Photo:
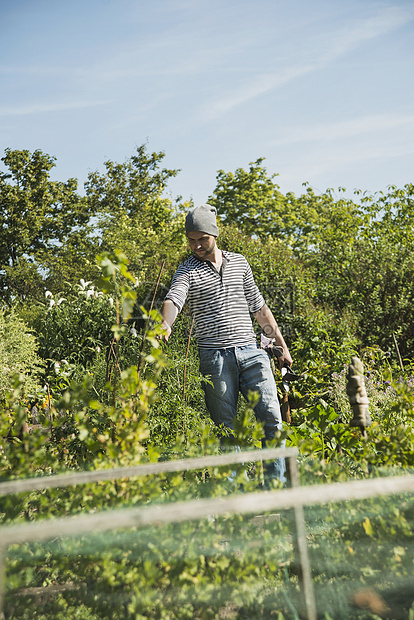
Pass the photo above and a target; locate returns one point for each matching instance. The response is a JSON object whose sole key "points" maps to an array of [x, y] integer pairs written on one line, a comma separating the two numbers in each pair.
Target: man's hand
{"points": [[270, 328], [166, 331], [285, 360], [169, 312], [278, 352]]}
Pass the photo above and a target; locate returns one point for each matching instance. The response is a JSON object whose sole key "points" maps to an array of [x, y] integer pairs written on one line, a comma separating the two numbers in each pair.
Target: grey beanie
{"points": [[202, 219]]}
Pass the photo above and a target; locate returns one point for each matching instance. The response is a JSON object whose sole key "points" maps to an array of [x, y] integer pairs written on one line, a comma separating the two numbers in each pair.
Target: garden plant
{"points": [[87, 383]]}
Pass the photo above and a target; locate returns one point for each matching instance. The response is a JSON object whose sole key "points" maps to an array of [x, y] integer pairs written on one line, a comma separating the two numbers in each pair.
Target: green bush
{"points": [[144, 403], [18, 356], [77, 327]]}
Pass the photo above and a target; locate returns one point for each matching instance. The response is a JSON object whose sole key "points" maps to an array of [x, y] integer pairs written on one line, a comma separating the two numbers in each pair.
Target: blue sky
{"points": [[323, 89]]}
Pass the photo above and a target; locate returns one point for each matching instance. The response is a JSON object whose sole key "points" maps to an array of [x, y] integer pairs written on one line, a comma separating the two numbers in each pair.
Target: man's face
{"points": [[202, 245]]}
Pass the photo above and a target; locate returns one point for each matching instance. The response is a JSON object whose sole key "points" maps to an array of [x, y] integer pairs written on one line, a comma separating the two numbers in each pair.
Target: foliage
{"points": [[21, 452], [37, 215], [382, 380], [358, 253], [179, 418], [337, 275], [19, 356], [321, 346], [361, 554], [251, 200], [73, 329], [176, 571], [364, 267], [323, 430], [84, 431], [133, 188]]}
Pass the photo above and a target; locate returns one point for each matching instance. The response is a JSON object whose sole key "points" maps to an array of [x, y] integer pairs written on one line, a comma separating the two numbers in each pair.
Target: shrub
{"points": [[75, 328], [18, 355]]}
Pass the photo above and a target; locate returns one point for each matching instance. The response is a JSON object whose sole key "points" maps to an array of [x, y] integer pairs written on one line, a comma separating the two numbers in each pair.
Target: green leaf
{"points": [[368, 527]]}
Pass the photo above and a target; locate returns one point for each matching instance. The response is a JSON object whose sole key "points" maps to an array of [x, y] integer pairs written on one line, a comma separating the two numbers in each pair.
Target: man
{"points": [[221, 293]]}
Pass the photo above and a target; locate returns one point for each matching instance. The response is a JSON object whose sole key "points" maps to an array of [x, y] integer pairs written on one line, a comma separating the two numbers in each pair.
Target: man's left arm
{"points": [[268, 323]]}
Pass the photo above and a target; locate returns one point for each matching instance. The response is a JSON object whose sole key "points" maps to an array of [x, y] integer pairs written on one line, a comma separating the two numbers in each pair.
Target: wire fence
{"points": [[293, 500]]}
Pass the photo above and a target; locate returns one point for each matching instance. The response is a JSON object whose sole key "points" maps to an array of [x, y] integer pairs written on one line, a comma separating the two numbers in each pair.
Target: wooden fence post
{"points": [[2, 579], [357, 395], [300, 546]]}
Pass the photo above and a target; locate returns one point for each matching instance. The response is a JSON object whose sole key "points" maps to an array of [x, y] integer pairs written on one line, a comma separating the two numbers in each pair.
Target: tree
{"points": [[250, 199], [134, 188], [37, 215], [19, 356], [368, 272], [358, 253], [133, 214]]}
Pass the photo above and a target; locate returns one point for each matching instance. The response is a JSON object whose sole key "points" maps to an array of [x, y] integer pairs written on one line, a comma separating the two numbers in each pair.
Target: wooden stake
{"points": [[186, 356], [398, 351]]}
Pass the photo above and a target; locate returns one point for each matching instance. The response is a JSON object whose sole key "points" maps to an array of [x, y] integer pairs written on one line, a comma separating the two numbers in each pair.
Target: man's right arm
{"points": [[169, 313]]}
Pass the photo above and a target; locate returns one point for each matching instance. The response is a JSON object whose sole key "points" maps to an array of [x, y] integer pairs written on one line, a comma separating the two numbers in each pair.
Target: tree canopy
{"points": [[134, 188], [36, 216], [356, 253], [359, 251]]}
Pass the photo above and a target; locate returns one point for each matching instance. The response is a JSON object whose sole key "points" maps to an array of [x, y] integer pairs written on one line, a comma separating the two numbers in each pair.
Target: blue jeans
{"points": [[242, 369]]}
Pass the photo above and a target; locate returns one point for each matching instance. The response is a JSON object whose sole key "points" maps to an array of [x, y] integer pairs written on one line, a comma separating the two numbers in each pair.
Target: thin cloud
{"points": [[49, 107], [255, 88], [168, 57], [346, 129], [388, 19], [327, 163], [30, 70], [339, 44]]}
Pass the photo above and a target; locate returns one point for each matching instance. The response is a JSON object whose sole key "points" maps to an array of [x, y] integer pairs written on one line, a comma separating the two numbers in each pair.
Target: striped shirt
{"points": [[220, 303]]}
